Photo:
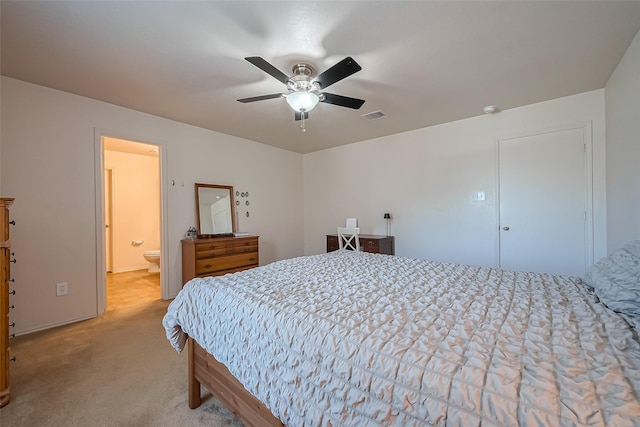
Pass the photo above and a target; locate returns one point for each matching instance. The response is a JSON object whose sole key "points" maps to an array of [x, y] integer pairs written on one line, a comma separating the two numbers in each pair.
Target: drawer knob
{"points": [[207, 266], [12, 222]]}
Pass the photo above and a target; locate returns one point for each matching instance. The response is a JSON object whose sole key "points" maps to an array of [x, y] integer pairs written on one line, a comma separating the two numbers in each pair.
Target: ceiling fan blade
{"points": [[260, 98], [343, 101], [341, 70], [299, 115], [268, 68]]}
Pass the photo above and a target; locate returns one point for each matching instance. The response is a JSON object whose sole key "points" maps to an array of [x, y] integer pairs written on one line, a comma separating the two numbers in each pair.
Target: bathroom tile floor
{"points": [[132, 288]]}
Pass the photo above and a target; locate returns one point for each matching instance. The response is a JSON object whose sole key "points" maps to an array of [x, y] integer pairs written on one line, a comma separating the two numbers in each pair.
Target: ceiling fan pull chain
{"points": [[302, 113]]}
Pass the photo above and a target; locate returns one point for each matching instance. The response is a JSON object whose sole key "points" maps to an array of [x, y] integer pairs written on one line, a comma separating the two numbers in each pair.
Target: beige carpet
{"points": [[114, 370]]}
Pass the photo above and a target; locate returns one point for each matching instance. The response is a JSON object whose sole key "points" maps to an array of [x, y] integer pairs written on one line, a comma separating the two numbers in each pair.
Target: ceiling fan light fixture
{"points": [[303, 92], [302, 101]]}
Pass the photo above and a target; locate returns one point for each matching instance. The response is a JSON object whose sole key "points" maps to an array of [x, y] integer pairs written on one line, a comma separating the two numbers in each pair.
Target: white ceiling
{"points": [[423, 62]]}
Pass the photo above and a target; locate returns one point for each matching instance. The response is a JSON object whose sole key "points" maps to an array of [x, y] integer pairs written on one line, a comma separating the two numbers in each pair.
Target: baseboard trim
{"points": [[128, 270], [54, 325]]}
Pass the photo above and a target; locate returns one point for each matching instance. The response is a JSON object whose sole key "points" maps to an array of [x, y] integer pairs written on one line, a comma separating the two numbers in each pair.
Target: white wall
{"points": [[48, 166], [622, 101], [136, 208], [425, 179]]}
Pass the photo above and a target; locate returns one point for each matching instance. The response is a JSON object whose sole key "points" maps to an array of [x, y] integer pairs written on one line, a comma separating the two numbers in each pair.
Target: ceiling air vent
{"points": [[374, 115]]}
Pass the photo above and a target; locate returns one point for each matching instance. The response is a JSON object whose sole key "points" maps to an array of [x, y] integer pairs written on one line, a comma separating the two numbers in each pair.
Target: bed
{"points": [[360, 339]]}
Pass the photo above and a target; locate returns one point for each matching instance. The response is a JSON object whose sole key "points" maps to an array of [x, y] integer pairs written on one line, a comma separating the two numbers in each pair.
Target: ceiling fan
{"points": [[303, 91]]}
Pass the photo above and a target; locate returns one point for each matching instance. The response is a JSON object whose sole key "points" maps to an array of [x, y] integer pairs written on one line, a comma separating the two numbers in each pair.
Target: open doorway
{"points": [[132, 212]]}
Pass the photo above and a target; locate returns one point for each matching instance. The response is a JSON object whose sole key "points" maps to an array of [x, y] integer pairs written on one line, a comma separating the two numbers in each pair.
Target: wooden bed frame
{"points": [[205, 370]]}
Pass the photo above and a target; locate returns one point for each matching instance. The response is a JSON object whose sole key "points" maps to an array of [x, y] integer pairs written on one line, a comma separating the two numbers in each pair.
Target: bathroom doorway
{"points": [[132, 222]]}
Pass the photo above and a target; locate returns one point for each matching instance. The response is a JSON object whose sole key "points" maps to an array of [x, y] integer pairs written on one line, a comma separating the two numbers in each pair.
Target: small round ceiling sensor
{"points": [[490, 109]]}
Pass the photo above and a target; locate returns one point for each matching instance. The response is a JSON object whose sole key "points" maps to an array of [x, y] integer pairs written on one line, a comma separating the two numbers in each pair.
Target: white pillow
{"points": [[616, 279]]}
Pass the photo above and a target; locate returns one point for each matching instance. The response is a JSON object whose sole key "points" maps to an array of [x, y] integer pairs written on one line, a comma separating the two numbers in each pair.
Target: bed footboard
{"points": [[205, 370]]}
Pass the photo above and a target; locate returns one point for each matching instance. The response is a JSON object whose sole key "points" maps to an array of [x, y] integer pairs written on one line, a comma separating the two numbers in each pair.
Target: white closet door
{"points": [[544, 202]]}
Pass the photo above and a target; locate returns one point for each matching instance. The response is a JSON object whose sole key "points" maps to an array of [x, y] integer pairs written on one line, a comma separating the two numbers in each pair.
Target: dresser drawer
{"points": [[211, 265], [210, 250], [370, 245], [226, 247], [243, 246], [332, 243]]}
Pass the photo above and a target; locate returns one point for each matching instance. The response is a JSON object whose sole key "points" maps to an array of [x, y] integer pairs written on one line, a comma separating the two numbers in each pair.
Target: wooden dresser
{"points": [[5, 281], [368, 243], [218, 256]]}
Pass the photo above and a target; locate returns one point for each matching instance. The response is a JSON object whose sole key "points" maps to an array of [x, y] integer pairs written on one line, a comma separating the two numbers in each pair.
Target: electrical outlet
{"points": [[62, 289]]}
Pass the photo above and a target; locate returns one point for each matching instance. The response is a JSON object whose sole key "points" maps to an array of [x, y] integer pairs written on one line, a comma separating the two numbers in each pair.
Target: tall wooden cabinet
{"points": [[5, 277]]}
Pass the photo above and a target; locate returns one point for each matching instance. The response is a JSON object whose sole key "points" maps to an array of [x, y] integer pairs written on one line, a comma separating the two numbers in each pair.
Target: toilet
{"points": [[153, 257]]}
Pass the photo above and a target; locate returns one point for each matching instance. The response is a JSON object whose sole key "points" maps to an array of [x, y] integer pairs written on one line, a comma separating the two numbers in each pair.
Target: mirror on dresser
{"points": [[214, 210]]}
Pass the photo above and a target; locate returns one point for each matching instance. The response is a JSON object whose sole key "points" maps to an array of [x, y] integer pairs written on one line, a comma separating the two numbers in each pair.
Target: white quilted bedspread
{"points": [[358, 339]]}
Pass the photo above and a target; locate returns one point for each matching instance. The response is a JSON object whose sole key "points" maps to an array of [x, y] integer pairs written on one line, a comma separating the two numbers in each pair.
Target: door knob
{"points": [[505, 228]]}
